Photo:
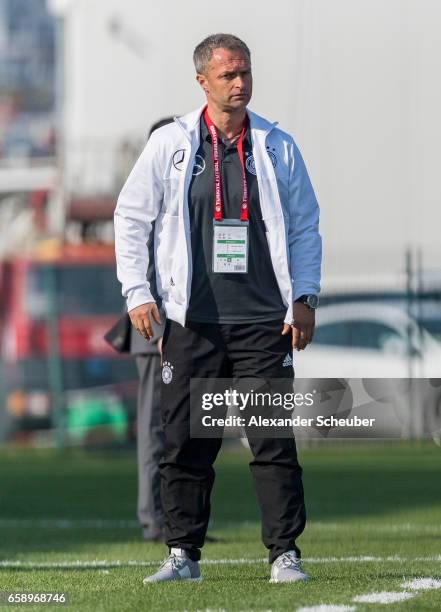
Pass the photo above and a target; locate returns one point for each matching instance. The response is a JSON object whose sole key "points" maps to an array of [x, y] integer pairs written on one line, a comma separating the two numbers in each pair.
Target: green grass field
{"points": [[67, 523]]}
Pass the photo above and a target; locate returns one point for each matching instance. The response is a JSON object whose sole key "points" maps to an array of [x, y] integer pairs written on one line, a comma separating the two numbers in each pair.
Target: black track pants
{"points": [[202, 350]]}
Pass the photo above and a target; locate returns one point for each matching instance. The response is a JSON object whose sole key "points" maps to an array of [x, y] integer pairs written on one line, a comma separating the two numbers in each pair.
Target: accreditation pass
{"points": [[230, 246]]}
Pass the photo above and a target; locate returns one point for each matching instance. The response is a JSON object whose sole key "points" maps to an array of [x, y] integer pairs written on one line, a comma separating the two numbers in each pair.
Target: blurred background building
{"points": [[81, 82], [27, 79]]}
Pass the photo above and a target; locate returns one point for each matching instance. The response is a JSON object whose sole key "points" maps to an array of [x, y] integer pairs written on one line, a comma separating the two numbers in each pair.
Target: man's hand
{"points": [[303, 328], [141, 318]]}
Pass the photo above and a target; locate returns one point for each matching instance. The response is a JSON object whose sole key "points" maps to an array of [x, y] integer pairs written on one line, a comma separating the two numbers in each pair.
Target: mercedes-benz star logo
{"points": [[199, 165], [178, 158]]}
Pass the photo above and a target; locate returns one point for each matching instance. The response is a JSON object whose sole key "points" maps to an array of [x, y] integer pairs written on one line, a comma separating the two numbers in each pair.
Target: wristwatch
{"points": [[311, 300]]}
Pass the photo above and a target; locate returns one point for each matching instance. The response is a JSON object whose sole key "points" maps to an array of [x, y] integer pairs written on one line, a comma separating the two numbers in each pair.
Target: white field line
{"points": [[70, 523], [109, 563], [382, 527], [327, 608], [65, 523], [344, 526], [384, 597], [421, 584]]}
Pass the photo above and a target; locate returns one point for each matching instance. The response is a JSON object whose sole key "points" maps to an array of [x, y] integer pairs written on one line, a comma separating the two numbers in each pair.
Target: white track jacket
{"points": [[157, 190]]}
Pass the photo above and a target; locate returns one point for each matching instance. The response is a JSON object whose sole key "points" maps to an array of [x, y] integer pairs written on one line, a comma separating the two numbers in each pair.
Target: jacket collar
{"points": [[190, 123]]}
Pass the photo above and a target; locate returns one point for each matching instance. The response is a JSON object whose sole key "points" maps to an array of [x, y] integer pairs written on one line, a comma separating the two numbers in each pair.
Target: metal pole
{"points": [[420, 290], [421, 402], [409, 274], [55, 372], [58, 208]]}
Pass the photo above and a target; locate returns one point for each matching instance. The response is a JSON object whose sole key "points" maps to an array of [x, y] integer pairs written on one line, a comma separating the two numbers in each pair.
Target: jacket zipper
{"points": [[186, 217]]}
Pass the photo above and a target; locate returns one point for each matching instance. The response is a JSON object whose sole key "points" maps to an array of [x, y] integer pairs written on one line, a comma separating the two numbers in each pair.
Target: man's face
{"points": [[228, 82]]}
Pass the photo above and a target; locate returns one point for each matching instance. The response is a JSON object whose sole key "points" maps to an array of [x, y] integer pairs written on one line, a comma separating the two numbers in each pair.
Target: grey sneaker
{"points": [[177, 566], [287, 568]]}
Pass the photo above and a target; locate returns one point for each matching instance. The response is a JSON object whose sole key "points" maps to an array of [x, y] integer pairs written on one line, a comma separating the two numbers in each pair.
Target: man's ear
{"points": [[202, 80]]}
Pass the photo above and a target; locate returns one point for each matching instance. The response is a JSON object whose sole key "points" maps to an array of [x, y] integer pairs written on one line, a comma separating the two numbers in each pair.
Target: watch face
{"points": [[312, 301]]}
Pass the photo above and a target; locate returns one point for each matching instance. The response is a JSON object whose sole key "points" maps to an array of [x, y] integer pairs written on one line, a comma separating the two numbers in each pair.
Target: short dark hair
{"points": [[204, 51]]}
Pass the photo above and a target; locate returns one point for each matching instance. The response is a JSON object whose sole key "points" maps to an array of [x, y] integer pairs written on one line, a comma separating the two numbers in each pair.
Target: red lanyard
{"points": [[216, 171]]}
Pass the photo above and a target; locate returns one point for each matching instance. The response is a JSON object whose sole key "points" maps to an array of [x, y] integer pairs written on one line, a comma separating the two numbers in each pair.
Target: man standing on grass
{"points": [[222, 172]]}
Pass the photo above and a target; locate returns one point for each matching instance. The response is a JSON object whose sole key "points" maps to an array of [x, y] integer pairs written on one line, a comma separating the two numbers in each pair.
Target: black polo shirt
{"points": [[229, 298]]}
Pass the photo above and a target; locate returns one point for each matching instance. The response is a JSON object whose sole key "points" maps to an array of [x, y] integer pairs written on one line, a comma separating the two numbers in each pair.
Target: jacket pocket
{"points": [[170, 204], [276, 227], [168, 257]]}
